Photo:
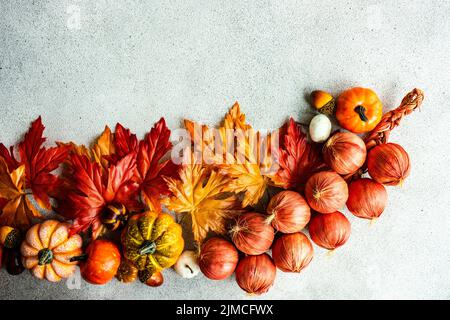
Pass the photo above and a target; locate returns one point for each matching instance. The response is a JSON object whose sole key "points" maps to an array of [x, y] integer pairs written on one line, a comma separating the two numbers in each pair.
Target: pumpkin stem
{"points": [[82, 257], [361, 111], [148, 247], [45, 256]]}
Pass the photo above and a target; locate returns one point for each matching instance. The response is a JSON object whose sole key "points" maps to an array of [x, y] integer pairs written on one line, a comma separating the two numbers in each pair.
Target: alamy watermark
{"points": [[73, 11]]}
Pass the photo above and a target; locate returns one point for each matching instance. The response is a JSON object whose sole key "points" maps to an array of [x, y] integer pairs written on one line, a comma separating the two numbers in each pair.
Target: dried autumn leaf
{"points": [[213, 144], [92, 189], [252, 168], [124, 141], [8, 156], [100, 151], [150, 168], [235, 119], [80, 150], [39, 163], [104, 147], [17, 210], [297, 158], [203, 142], [245, 164], [201, 194]]}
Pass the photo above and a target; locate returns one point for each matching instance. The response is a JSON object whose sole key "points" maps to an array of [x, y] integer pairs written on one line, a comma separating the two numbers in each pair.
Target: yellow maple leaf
{"points": [[212, 144], [18, 211], [201, 194], [249, 163], [251, 170], [235, 119]]}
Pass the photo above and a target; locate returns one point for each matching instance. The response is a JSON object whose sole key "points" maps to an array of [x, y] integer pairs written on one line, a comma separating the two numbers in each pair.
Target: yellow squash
{"points": [[152, 241]]}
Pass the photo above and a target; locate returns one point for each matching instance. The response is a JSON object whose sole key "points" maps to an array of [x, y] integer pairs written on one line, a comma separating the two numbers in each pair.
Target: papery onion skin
{"points": [[252, 234], [288, 212], [329, 231], [256, 274], [218, 258], [367, 198], [292, 252], [388, 164], [344, 152], [326, 192]]}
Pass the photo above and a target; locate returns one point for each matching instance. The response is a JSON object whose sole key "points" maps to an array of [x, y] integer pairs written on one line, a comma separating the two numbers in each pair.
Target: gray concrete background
{"points": [[135, 61]]}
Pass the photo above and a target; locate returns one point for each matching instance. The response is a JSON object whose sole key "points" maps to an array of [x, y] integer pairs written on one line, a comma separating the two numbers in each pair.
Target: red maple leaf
{"points": [[151, 168], [298, 159], [8, 156], [39, 163], [125, 142], [92, 189]]}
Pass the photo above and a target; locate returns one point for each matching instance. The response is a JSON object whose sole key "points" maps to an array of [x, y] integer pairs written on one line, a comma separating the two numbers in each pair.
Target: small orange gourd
{"points": [[100, 262], [48, 248], [359, 110]]}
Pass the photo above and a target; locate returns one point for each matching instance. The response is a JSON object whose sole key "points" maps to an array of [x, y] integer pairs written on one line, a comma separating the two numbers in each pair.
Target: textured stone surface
{"points": [[135, 61]]}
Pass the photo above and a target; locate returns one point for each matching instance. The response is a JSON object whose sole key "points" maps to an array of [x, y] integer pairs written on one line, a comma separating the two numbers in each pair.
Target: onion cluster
{"points": [[288, 212]]}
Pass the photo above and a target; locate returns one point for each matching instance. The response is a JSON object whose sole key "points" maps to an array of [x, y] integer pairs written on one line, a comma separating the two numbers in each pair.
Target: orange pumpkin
{"points": [[100, 262], [47, 250], [359, 110]]}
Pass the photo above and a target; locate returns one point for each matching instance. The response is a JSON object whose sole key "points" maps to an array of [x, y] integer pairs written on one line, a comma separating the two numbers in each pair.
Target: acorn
{"points": [[152, 280], [13, 261], [113, 216], [127, 272], [10, 237], [323, 102]]}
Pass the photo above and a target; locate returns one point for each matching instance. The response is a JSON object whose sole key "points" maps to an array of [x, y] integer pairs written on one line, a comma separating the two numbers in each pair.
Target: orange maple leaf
{"points": [[243, 154], [100, 150], [17, 210]]}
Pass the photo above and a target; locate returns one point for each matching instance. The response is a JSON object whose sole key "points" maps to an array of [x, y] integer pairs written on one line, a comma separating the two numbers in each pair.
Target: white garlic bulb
{"points": [[320, 128], [187, 265]]}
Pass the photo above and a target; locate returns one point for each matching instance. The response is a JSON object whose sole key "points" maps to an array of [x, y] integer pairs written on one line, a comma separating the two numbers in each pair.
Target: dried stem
{"points": [[392, 119]]}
